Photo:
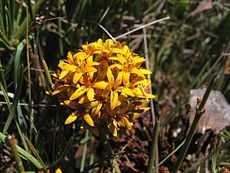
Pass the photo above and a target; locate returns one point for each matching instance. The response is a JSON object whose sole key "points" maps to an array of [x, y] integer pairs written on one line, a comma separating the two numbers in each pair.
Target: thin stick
{"points": [[141, 27], [29, 75], [149, 77], [107, 32], [151, 101]]}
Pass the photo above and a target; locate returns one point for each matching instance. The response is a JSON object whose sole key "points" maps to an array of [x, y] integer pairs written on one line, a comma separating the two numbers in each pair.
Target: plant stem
{"points": [[47, 72], [12, 144], [153, 146], [199, 112], [84, 152], [109, 151]]}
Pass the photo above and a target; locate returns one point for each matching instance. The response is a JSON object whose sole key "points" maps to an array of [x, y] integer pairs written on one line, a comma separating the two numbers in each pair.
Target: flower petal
{"points": [[128, 91], [70, 57], [71, 104], [60, 89], [90, 94], [138, 92], [71, 118], [63, 74], [110, 76], [96, 110], [125, 78], [127, 123], [89, 120], [101, 85], [138, 72], [145, 71], [81, 90], [90, 69], [77, 77], [150, 96], [58, 170], [119, 79], [121, 59], [113, 99], [119, 66], [66, 66], [138, 59], [113, 130]]}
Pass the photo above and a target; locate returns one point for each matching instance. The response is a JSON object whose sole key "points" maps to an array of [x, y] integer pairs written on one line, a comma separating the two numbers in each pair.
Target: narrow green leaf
{"points": [[33, 149], [11, 7], [153, 146], [18, 84], [8, 25], [5, 40], [3, 87]]}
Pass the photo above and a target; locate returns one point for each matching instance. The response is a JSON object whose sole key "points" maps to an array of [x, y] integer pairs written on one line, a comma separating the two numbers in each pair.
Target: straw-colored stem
{"points": [[141, 27], [29, 75], [12, 143], [47, 72]]}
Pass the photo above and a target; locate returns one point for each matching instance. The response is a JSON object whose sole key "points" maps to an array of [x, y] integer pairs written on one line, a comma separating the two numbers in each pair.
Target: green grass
{"points": [[184, 52]]}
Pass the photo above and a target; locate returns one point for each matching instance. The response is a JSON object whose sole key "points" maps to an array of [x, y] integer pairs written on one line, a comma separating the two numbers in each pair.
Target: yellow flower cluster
{"points": [[48, 171], [104, 84]]}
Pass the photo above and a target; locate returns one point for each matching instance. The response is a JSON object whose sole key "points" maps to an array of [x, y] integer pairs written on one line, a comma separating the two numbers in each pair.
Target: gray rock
{"points": [[217, 114]]}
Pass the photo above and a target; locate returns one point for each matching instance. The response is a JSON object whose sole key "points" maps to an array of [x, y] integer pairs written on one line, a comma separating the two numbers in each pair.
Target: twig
{"points": [[141, 27], [107, 32]]}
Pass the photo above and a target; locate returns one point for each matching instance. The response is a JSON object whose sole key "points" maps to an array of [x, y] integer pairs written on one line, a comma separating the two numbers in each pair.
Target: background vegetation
{"points": [[183, 52]]}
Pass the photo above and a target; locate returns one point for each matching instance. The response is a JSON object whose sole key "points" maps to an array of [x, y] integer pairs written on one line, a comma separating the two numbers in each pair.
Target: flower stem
{"points": [[109, 151], [199, 112], [84, 153]]}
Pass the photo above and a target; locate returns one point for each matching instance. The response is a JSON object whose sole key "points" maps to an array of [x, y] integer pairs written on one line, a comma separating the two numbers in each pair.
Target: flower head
{"points": [[104, 84]]}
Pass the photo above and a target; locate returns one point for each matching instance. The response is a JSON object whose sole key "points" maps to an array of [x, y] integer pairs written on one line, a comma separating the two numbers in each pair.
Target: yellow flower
{"points": [[58, 170], [104, 84]]}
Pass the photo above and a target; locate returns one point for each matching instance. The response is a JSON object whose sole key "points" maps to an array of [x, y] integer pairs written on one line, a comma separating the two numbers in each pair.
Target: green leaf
{"points": [[18, 84]]}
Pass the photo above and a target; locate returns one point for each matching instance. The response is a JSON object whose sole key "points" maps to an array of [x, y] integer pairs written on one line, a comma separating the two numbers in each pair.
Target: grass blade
{"points": [[18, 84], [35, 153]]}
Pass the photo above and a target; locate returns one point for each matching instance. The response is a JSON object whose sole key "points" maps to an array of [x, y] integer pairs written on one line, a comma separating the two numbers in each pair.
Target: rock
{"points": [[217, 114]]}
